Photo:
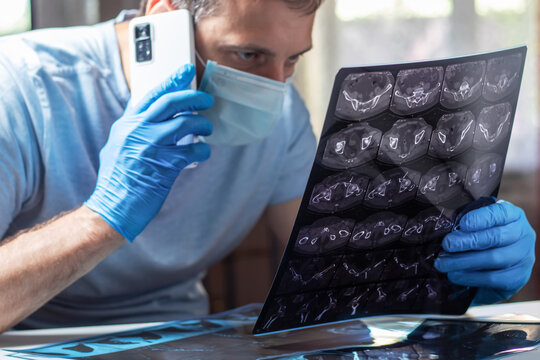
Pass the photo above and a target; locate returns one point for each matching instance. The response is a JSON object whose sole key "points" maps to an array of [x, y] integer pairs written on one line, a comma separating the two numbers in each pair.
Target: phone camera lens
{"points": [[142, 31], [144, 50]]}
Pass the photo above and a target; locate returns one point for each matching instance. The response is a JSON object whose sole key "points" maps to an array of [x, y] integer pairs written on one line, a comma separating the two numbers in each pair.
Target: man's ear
{"points": [[158, 6]]}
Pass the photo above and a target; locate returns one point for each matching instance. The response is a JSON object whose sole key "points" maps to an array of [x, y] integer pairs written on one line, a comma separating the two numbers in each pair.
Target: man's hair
{"points": [[202, 8]]}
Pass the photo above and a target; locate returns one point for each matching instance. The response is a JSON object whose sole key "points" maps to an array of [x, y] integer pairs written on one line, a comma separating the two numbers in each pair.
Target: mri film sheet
{"points": [[405, 151], [448, 339], [228, 335]]}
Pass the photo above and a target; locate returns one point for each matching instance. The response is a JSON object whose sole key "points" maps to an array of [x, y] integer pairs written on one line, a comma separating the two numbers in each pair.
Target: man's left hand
{"points": [[492, 248]]}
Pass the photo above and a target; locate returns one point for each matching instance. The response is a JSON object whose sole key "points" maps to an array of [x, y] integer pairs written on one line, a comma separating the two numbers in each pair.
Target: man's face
{"points": [[262, 37]]}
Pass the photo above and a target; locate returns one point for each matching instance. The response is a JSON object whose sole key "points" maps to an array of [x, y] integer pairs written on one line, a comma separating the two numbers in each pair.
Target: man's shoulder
{"points": [[55, 49]]}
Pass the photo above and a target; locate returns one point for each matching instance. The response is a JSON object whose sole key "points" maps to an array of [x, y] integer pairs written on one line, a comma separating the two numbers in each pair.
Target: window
{"points": [[362, 32], [347, 10], [490, 7], [354, 33], [15, 17]]}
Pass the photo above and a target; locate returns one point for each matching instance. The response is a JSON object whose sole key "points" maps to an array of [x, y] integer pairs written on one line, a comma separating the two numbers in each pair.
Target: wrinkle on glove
{"points": [[492, 248], [141, 159]]}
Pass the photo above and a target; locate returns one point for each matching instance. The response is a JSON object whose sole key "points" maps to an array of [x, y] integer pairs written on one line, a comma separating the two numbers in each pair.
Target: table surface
{"points": [[20, 339]]}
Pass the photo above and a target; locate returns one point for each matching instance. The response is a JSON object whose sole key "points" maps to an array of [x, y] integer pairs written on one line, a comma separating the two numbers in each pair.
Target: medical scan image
{"points": [[403, 264], [377, 230], [392, 188], [453, 135], [463, 84], [324, 235], [428, 225], [407, 140], [502, 77], [299, 307], [338, 192], [484, 175], [493, 127], [398, 165], [354, 300], [442, 183], [353, 146], [313, 274], [417, 90], [359, 269], [379, 297], [364, 95], [305, 308]]}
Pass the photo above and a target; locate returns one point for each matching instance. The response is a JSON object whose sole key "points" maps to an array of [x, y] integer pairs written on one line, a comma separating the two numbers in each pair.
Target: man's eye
{"points": [[246, 55], [293, 59]]}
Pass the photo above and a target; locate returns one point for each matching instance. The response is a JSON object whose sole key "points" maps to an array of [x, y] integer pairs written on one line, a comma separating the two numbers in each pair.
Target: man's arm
{"points": [[39, 263], [281, 219], [138, 165]]}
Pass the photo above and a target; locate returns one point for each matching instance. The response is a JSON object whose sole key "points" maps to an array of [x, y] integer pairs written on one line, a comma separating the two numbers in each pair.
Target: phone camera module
{"points": [[144, 50], [143, 43], [142, 31]]}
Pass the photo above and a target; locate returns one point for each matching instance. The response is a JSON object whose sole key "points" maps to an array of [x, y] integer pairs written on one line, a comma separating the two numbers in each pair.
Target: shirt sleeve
{"points": [[18, 151], [300, 152]]}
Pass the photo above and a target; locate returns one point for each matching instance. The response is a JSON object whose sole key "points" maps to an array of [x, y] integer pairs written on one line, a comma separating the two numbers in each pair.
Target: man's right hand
{"points": [[141, 159]]}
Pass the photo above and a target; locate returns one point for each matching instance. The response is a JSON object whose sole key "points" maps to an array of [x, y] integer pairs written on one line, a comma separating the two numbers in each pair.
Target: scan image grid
{"points": [[405, 150]]}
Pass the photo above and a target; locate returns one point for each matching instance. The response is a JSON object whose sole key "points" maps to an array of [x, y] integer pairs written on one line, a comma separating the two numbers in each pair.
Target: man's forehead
{"points": [[241, 8], [259, 16], [267, 24]]}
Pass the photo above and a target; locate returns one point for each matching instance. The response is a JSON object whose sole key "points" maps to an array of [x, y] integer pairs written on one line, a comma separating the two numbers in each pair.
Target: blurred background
{"points": [[354, 33]]}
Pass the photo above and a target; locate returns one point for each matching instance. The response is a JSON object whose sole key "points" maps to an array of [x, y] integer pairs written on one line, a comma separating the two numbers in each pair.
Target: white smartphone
{"points": [[159, 45]]}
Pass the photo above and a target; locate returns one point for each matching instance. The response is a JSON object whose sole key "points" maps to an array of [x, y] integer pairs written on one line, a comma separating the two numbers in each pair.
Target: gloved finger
{"points": [[458, 241], [500, 213], [511, 279], [497, 258], [177, 102], [486, 296], [187, 154], [169, 132], [179, 80]]}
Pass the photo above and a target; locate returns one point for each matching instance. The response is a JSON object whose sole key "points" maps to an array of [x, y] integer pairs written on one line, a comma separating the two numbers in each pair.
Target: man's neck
{"points": [[123, 45]]}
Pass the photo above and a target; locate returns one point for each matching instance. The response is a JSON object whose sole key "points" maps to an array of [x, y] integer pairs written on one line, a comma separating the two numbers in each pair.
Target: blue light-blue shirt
{"points": [[60, 91]]}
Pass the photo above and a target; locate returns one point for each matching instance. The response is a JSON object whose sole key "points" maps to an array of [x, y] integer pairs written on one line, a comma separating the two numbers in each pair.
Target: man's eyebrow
{"points": [[259, 49], [303, 51], [248, 48]]}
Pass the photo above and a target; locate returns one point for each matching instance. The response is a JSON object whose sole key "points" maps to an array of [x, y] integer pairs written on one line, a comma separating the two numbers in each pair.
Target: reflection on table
{"points": [[228, 336]]}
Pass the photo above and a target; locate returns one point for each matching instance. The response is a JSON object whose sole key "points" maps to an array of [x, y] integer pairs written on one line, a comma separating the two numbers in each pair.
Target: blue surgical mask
{"points": [[246, 107]]}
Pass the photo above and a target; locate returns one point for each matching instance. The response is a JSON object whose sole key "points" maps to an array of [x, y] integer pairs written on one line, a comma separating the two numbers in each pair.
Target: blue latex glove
{"points": [[141, 159], [492, 248]]}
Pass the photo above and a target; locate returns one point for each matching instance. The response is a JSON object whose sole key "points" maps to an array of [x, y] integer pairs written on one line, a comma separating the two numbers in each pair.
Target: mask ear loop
{"points": [[290, 79], [198, 56]]}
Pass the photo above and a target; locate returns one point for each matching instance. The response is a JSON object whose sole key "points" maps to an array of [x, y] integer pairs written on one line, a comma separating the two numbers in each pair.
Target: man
{"points": [[80, 175]]}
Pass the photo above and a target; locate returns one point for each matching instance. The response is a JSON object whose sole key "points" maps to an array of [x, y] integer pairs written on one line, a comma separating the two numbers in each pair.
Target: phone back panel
{"points": [[159, 44]]}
